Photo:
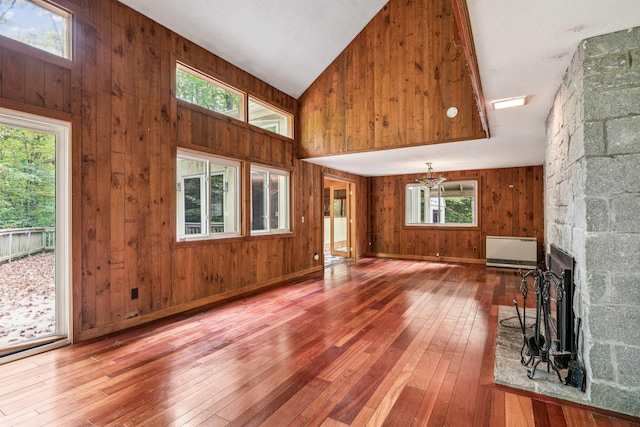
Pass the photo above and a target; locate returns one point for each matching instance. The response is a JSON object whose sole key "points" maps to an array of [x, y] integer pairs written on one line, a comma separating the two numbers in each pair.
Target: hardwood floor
{"points": [[372, 342]]}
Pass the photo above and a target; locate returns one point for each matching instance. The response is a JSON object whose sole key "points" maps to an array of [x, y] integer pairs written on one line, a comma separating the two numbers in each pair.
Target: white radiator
{"points": [[515, 252]]}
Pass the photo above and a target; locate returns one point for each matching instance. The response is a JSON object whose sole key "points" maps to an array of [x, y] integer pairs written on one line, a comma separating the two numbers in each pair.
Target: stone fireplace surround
{"points": [[592, 209]]}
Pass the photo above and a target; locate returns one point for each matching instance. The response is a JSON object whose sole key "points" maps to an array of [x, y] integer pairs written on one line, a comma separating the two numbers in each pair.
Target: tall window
{"points": [[453, 203], [38, 24], [207, 196], [270, 118], [198, 88], [269, 200]]}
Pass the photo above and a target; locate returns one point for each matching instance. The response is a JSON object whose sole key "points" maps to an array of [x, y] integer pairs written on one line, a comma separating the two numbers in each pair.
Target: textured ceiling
{"points": [[286, 43], [523, 48]]}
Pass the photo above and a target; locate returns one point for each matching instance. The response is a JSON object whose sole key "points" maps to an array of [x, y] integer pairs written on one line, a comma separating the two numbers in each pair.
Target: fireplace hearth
{"points": [[509, 371]]}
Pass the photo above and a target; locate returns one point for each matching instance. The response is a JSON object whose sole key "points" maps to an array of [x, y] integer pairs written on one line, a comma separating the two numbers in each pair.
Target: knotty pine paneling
{"points": [[510, 204], [119, 93], [34, 80], [392, 85], [227, 137]]}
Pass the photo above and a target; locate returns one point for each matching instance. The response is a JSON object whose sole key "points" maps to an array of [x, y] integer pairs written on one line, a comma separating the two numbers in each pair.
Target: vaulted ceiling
{"points": [[522, 48]]}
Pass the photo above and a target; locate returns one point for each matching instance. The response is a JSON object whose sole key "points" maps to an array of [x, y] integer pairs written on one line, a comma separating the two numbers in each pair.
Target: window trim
{"points": [[269, 231], [188, 154], [242, 108], [62, 60], [476, 208]]}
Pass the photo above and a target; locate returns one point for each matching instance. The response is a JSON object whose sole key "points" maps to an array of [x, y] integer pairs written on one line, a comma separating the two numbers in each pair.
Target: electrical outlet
{"points": [[134, 293], [475, 249]]}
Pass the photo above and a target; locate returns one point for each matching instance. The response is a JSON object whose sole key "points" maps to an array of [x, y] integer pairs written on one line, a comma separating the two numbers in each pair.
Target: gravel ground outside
{"points": [[27, 299]]}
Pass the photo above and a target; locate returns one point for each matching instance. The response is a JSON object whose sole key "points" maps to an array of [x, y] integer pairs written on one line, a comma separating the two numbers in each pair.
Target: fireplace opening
{"points": [[562, 265]]}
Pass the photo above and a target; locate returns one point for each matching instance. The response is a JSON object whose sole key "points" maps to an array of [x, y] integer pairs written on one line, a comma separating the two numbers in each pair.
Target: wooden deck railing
{"points": [[20, 242], [195, 227]]}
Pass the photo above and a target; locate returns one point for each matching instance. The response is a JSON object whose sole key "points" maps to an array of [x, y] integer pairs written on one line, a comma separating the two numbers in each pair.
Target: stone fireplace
{"points": [[592, 209]]}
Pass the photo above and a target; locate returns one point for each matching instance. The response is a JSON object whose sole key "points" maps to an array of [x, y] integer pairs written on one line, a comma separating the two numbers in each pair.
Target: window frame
{"points": [[267, 207], [205, 185], [54, 8], [475, 206], [242, 107], [274, 109]]}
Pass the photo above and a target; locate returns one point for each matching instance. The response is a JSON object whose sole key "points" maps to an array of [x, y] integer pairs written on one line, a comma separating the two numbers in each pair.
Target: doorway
{"points": [[338, 203], [34, 234]]}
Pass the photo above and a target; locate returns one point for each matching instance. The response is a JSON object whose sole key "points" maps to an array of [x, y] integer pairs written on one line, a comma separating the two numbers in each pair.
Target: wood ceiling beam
{"points": [[465, 41]]}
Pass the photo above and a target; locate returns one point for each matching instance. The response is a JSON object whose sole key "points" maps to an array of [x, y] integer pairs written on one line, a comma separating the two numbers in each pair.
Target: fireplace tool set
{"points": [[539, 346]]}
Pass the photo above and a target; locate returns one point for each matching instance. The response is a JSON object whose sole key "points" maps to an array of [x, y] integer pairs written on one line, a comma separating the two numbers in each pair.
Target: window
{"points": [[270, 118], [38, 24], [199, 89], [452, 203], [269, 200], [207, 196]]}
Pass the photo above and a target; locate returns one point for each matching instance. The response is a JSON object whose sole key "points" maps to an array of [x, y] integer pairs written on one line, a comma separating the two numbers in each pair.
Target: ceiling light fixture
{"points": [[429, 180], [509, 102]]}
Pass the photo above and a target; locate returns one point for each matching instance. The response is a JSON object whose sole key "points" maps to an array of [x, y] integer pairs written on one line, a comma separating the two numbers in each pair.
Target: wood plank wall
{"points": [[127, 125], [511, 203], [392, 85]]}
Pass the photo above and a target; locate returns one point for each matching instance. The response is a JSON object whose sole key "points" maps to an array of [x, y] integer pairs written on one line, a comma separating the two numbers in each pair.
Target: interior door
{"points": [[340, 220]]}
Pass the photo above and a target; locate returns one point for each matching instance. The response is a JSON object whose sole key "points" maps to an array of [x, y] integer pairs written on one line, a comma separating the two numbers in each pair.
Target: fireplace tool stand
{"points": [[530, 345], [537, 347]]}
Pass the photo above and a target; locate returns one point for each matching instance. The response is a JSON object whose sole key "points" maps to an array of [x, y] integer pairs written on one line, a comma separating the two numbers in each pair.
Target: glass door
{"points": [[34, 234]]}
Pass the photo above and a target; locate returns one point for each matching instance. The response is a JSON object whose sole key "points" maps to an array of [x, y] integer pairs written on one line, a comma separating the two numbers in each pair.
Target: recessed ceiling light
{"points": [[452, 112], [509, 102]]}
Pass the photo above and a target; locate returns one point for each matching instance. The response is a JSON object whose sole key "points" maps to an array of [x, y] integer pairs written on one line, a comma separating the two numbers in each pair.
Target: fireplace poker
{"points": [[532, 341]]}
